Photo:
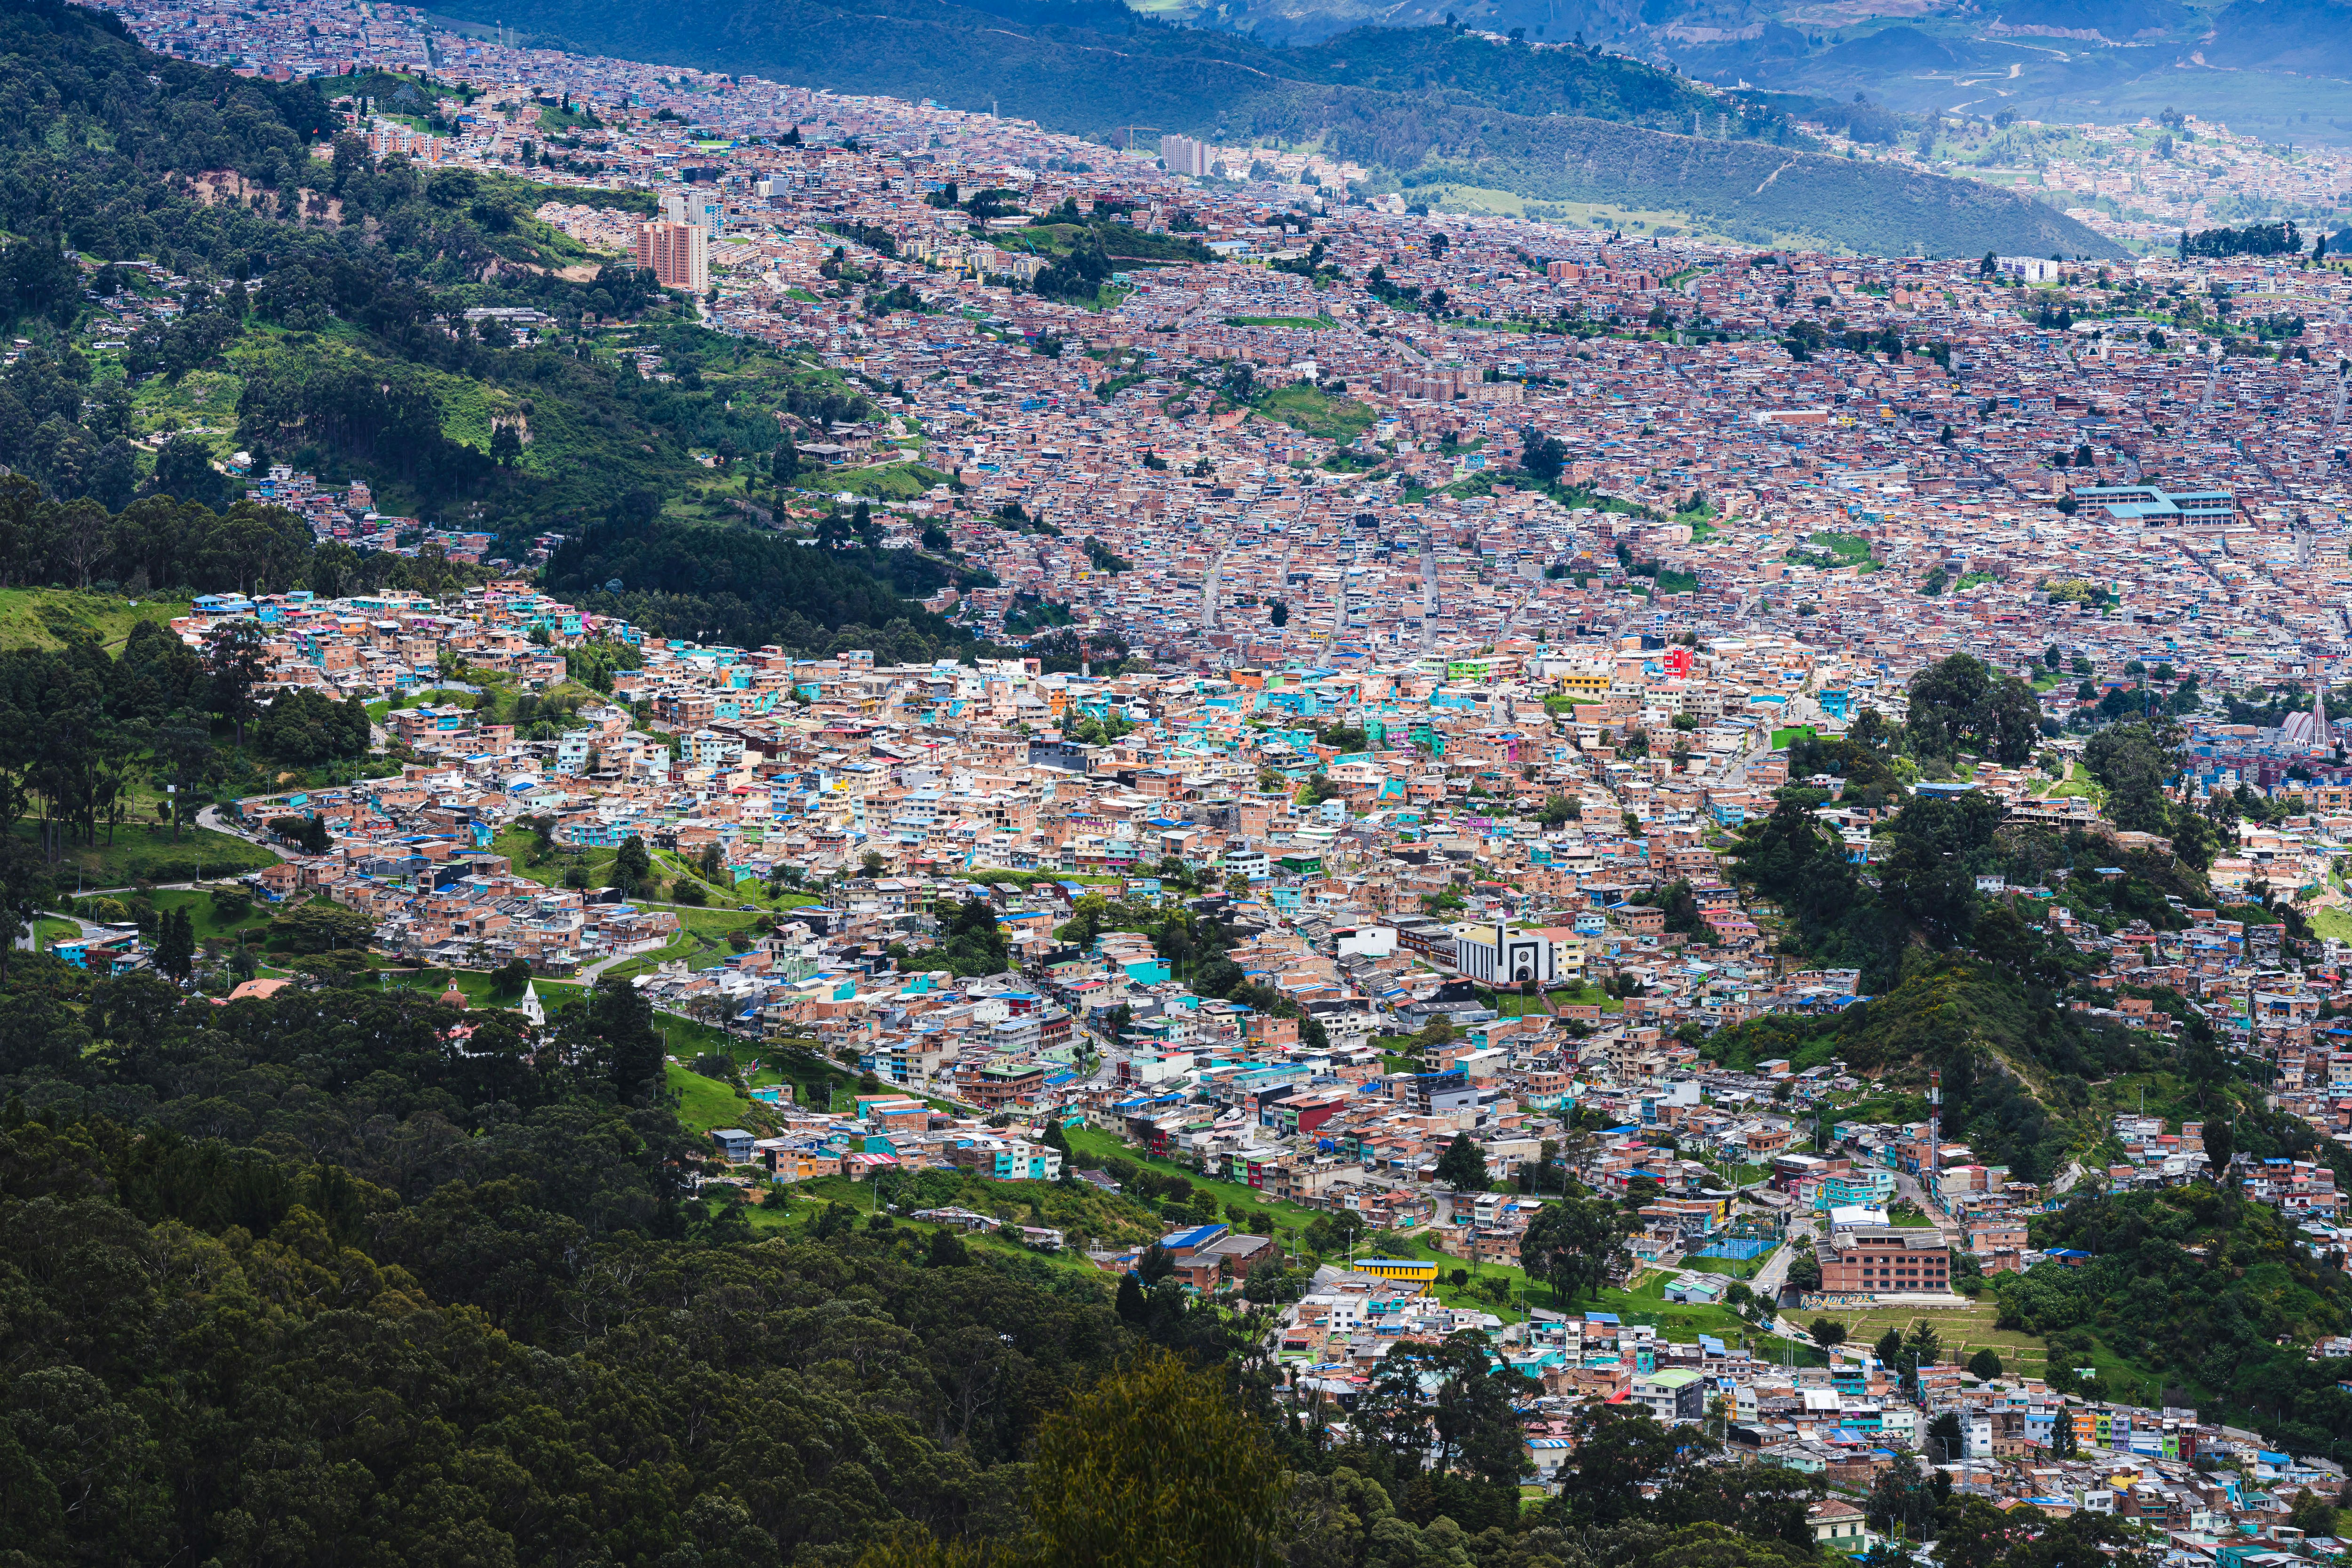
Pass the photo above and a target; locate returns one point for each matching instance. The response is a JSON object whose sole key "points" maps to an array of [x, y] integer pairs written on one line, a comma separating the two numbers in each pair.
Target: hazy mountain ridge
{"points": [[1429, 105], [2256, 64]]}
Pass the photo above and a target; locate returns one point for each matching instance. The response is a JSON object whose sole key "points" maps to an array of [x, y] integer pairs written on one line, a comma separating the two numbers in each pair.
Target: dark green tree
{"points": [[1572, 1245], [1463, 1165], [175, 944], [633, 866], [235, 664]]}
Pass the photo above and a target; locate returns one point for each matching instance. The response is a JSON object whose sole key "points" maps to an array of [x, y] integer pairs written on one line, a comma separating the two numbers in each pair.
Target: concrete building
{"points": [[1496, 955], [1887, 1259], [678, 254], [1184, 156]]}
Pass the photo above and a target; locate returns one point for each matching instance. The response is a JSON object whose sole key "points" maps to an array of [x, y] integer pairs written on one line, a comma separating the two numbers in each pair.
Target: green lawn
{"points": [[205, 919], [2078, 781], [2332, 922], [48, 617], [751, 891], [809, 1199], [1315, 413], [1851, 549], [474, 985], [1781, 738], [1585, 993], [1026, 880], [1963, 1331], [518, 844], [893, 481], [701, 943], [1305, 323], [704, 1103], [147, 854]]}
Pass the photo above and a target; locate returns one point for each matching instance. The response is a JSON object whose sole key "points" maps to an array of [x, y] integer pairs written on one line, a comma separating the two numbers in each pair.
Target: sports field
{"points": [[1964, 1332]]}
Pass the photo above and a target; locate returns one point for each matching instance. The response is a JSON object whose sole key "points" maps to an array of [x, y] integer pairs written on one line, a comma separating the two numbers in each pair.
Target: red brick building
{"points": [[1885, 1259]]}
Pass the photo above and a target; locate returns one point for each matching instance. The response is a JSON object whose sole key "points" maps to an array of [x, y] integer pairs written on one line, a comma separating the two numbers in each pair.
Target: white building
{"points": [[1496, 955]]}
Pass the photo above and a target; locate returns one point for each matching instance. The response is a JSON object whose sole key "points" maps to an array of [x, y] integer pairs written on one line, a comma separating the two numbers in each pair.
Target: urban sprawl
{"points": [[1468, 584]]}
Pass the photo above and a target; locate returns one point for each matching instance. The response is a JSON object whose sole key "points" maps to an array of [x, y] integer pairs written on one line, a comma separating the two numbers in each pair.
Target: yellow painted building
{"points": [[1405, 1270]]}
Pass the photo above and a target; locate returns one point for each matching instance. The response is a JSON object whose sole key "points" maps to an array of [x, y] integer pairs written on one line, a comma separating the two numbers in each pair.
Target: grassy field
{"points": [[148, 854], [205, 919], [49, 617], [705, 1104], [202, 404], [1305, 323], [747, 891], [701, 944], [1963, 1331], [892, 482], [476, 986], [1314, 413], [2078, 781], [2333, 921], [2145, 1093], [519, 842], [806, 1201]]}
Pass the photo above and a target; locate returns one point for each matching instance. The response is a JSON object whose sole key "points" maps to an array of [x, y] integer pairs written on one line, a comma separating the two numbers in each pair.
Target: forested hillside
{"points": [[293, 1281], [1978, 987], [1427, 105], [297, 1281], [323, 326], [2198, 1292]]}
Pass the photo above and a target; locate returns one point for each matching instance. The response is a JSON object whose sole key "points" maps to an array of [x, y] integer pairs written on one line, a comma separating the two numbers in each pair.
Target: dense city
{"points": [[1736, 830]]}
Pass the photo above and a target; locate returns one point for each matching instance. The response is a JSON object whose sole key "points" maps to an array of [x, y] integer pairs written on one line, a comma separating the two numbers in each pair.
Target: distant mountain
{"points": [[2307, 37], [2281, 67], [2269, 66], [1429, 105], [2118, 21]]}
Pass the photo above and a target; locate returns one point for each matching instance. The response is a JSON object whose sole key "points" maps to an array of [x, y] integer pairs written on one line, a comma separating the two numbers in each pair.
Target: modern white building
{"points": [[1495, 954]]}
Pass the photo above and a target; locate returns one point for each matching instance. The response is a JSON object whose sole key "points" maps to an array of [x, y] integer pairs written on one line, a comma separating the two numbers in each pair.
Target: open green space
{"points": [[138, 853], [1315, 413], [50, 618], [1305, 323], [206, 920], [474, 985], [816, 1082], [1020, 1203], [751, 891], [2078, 783], [520, 846], [701, 943], [892, 482], [2332, 921], [702, 1102], [1964, 1330]]}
